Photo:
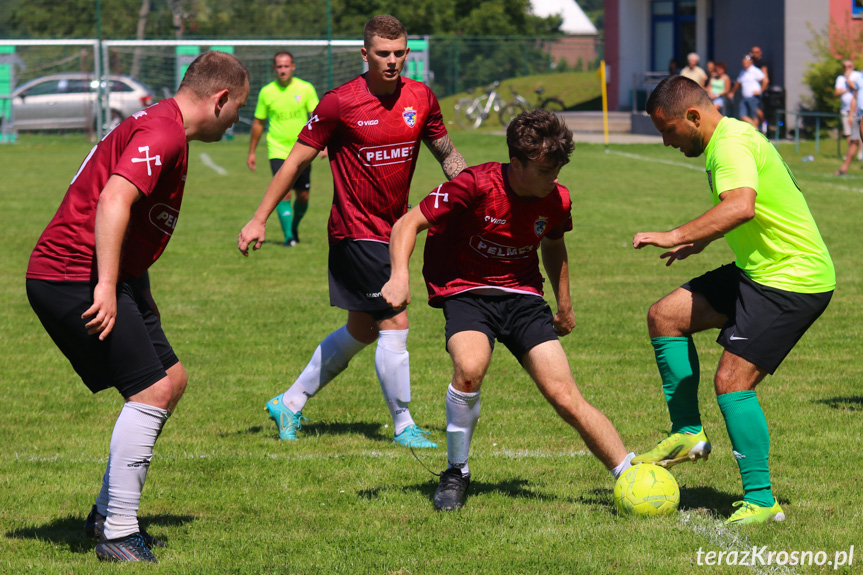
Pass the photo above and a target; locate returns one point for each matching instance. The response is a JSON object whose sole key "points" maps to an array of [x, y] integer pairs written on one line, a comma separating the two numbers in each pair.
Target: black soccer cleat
{"points": [[94, 529], [450, 493], [125, 549]]}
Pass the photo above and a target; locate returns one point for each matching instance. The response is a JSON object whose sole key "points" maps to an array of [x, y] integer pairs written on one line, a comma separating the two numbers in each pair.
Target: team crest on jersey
{"points": [[539, 226], [410, 117], [298, 97]]}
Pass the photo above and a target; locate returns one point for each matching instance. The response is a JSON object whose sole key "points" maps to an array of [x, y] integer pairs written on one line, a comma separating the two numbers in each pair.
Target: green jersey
{"points": [[288, 109], [781, 246]]}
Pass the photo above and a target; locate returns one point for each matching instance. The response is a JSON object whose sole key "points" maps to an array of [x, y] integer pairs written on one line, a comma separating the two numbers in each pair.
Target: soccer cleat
{"points": [[130, 548], [413, 436], [677, 448], [451, 490], [94, 529], [286, 420], [751, 513]]}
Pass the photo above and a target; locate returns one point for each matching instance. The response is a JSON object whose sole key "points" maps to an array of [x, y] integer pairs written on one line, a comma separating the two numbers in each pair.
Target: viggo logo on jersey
{"points": [[388, 154]]}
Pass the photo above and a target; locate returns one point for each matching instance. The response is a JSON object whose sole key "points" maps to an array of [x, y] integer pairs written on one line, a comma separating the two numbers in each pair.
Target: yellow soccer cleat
{"points": [[751, 513], [677, 448]]}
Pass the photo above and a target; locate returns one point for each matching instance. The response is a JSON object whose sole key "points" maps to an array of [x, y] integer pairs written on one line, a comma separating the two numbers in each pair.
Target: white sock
{"points": [[135, 433], [623, 465], [462, 413], [331, 358], [392, 364]]}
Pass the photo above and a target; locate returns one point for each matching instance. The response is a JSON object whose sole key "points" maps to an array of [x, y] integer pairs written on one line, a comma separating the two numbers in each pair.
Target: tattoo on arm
{"points": [[444, 152]]}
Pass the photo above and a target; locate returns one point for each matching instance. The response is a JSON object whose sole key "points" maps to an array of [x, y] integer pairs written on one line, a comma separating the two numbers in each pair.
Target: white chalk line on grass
{"points": [[727, 539], [701, 169], [208, 161]]}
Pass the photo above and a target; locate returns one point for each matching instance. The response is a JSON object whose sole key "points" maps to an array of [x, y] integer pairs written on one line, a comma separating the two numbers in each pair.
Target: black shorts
{"points": [[519, 321], [764, 323], [357, 271], [133, 357], [304, 180]]}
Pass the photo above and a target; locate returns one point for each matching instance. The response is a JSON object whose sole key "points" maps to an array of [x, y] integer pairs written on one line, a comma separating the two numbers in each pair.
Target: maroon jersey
{"points": [[150, 150], [373, 143], [485, 236]]}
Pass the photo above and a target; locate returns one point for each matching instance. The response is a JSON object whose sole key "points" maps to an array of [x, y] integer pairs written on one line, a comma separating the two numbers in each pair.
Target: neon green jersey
{"points": [[287, 109], [781, 246]]}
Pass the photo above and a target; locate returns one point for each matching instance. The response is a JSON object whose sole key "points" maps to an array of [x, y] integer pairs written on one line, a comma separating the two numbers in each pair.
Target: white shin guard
{"points": [[135, 433], [392, 364]]}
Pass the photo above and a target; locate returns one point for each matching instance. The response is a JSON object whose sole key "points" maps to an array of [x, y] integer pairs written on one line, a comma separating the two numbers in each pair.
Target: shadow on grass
{"points": [[367, 430], [853, 403], [691, 498], [69, 531], [520, 488]]}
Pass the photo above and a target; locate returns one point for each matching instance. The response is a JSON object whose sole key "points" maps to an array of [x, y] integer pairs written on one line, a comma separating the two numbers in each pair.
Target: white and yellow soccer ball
{"points": [[646, 489]]}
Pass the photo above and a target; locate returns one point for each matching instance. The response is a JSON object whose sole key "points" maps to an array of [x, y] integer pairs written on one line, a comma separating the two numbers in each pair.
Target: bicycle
{"points": [[470, 113], [520, 104]]}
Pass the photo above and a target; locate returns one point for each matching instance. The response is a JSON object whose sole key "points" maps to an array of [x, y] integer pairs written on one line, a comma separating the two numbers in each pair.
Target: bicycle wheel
{"points": [[509, 112], [553, 105], [467, 114]]}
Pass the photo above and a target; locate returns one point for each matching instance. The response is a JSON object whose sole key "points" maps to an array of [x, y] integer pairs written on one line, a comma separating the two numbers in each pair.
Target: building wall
{"points": [[802, 18], [573, 49], [733, 35]]}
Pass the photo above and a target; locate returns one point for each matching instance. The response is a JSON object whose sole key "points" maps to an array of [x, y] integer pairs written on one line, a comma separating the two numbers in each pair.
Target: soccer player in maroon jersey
{"points": [[372, 127], [482, 267], [87, 279]]}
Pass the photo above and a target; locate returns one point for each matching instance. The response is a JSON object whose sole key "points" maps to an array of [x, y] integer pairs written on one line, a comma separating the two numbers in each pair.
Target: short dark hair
{"points": [[213, 71], [283, 53], [539, 135], [674, 95], [385, 26]]}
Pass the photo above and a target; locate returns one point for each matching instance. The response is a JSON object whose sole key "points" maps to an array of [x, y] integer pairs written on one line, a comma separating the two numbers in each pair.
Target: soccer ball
{"points": [[646, 489]]}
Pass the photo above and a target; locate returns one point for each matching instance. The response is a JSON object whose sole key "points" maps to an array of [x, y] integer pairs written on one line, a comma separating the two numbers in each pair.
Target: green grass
{"points": [[574, 89], [228, 497]]}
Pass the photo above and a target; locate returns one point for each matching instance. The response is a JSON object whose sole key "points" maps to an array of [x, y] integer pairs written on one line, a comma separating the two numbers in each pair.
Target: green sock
{"points": [[750, 441], [677, 360], [299, 211], [284, 212]]}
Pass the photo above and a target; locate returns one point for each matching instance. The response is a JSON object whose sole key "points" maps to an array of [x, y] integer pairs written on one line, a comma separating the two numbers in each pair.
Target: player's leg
{"points": [[767, 325], [471, 355], [330, 358], [301, 203], [671, 323], [283, 208], [547, 365]]}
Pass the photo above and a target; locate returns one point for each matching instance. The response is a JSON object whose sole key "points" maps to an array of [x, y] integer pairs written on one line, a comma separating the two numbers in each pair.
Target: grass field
{"points": [[228, 497]]}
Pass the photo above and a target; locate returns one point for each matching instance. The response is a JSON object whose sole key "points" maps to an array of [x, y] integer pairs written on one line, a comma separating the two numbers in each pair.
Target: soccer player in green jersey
{"points": [[780, 283], [285, 104]]}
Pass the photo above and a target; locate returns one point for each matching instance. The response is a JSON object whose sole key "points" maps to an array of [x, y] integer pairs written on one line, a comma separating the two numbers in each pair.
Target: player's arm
{"points": [[253, 233], [112, 219], [556, 264], [397, 292], [445, 153], [736, 207], [257, 131]]}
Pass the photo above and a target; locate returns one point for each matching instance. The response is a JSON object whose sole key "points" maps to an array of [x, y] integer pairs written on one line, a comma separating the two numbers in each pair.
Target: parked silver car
{"points": [[68, 101]]}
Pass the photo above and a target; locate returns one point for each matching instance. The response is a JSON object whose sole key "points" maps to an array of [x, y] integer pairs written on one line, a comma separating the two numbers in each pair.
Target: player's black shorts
{"points": [[519, 321], [134, 356], [764, 323], [358, 270], [304, 180]]}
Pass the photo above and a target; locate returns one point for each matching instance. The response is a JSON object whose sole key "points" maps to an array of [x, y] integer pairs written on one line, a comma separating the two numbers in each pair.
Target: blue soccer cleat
{"points": [[286, 420], [413, 436]]}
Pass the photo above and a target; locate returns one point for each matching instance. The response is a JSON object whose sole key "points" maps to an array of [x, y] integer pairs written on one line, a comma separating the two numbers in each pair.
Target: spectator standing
{"points": [[693, 71], [719, 85], [749, 82], [847, 84]]}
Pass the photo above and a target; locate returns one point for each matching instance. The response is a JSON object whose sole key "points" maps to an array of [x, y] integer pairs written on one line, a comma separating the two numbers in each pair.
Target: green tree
{"points": [[830, 47]]}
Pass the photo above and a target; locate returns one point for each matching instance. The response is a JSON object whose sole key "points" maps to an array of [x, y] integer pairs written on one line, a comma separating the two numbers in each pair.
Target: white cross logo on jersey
{"points": [[146, 150], [438, 195], [312, 120]]}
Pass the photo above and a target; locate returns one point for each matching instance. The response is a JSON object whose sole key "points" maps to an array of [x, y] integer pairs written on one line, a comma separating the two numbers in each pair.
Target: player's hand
{"points": [[658, 239], [251, 162], [396, 293], [564, 322], [682, 252], [324, 153], [103, 311], [252, 234]]}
